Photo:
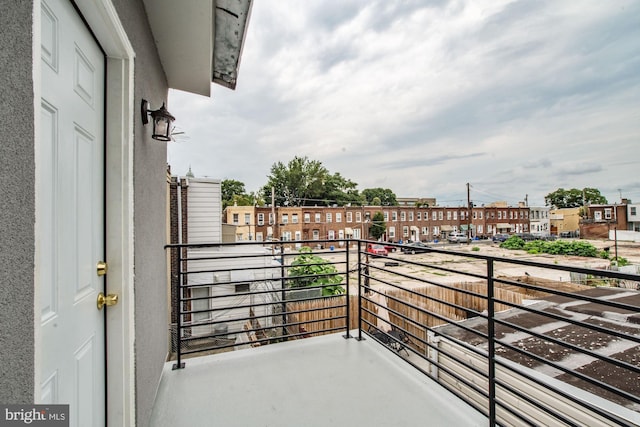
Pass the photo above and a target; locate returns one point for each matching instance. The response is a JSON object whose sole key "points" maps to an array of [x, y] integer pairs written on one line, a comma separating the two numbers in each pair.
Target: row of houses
{"points": [[424, 223], [402, 223]]}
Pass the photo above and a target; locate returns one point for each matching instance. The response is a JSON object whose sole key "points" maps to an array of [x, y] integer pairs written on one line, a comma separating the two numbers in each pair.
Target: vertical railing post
{"points": [[359, 292], [348, 295], [179, 364], [492, 344], [284, 294]]}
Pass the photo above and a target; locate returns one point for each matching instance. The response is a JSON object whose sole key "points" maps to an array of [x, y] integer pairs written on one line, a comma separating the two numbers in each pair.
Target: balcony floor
{"points": [[323, 381]]}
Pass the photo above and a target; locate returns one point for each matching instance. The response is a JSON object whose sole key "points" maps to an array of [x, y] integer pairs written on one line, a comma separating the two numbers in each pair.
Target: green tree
{"points": [[385, 195], [378, 227], [233, 191], [308, 269], [574, 198], [304, 182]]}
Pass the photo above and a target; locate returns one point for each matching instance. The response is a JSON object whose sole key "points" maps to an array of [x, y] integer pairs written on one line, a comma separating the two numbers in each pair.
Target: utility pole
{"points": [[468, 213], [526, 200]]}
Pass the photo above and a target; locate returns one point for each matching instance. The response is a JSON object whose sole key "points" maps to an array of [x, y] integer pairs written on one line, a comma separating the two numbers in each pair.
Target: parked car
{"points": [[526, 236], [500, 237], [457, 237], [376, 249], [390, 248], [414, 248]]}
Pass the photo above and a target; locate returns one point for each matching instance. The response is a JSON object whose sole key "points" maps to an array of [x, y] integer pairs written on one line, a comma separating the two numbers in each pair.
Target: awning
{"points": [[414, 228], [446, 228], [464, 227], [348, 231], [503, 225]]}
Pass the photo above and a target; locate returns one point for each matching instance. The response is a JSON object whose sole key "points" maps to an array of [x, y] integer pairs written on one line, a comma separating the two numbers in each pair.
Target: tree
{"points": [[308, 269], [574, 198], [304, 182], [232, 191], [378, 227], [386, 196]]}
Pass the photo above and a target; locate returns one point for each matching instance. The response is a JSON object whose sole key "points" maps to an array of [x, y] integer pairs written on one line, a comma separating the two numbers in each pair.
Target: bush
{"points": [[513, 242], [557, 247], [308, 269], [475, 249]]}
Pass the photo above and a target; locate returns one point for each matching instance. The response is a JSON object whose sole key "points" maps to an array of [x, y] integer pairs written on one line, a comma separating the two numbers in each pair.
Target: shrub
{"points": [[513, 242], [308, 269], [475, 248]]}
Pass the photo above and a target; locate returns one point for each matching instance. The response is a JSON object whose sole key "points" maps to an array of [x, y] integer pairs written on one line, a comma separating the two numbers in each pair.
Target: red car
{"points": [[376, 249]]}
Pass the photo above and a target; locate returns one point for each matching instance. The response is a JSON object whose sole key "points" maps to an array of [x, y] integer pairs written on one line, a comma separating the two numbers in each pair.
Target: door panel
{"points": [[70, 215]]}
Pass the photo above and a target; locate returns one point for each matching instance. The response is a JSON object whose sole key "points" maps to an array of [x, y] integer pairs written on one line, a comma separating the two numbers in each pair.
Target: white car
{"points": [[457, 237]]}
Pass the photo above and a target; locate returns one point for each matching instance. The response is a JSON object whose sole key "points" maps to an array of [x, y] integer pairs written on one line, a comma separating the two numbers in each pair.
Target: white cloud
{"points": [[515, 97]]}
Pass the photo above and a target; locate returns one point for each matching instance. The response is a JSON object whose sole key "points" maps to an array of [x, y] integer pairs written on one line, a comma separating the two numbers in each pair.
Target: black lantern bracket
{"points": [[162, 120]]}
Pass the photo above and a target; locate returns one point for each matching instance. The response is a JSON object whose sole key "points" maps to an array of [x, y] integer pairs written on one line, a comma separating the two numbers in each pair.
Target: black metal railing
{"points": [[513, 337]]}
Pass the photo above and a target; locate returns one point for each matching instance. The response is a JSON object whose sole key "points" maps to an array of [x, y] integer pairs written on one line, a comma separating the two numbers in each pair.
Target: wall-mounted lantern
{"points": [[162, 120]]}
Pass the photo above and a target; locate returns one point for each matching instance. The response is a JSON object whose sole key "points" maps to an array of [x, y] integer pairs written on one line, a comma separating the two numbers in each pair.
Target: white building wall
{"points": [[204, 210]]}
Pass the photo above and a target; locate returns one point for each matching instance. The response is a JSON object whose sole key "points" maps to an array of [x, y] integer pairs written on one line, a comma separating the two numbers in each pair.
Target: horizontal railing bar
{"points": [[263, 340], [569, 396], [569, 320], [579, 349], [571, 372], [227, 308]]}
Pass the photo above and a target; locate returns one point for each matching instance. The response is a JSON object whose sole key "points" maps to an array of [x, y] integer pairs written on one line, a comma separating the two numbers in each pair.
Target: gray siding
{"points": [[17, 215], [149, 169], [205, 211]]}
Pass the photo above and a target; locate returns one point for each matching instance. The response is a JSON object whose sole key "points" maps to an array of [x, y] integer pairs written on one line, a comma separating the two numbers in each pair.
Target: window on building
{"points": [[316, 234], [489, 228], [436, 231], [434, 215], [358, 216], [298, 235], [285, 218], [392, 232], [521, 214], [242, 287], [307, 217], [332, 235], [318, 217], [247, 218], [632, 210], [597, 215], [403, 216], [394, 216], [440, 215], [349, 217], [386, 216], [448, 215], [411, 216], [475, 215], [294, 218], [493, 214], [480, 229], [236, 219], [480, 214], [419, 216], [455, 215], [328, 216], [499, 214], [259, 236], [286, 236], [338, 216], [260, 219], [405, 231], [271, 219], [607, 213]]}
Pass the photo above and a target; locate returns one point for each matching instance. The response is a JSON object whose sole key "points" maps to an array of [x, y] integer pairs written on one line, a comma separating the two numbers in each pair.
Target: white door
{"points": [[70, 215]]}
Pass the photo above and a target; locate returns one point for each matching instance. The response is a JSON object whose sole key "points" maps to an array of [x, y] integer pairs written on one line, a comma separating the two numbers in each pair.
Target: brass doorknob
{"points": [[108, 300]]}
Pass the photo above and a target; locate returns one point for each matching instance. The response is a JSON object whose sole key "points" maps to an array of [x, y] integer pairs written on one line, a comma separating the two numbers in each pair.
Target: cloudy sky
{"points": [[514, 97]]}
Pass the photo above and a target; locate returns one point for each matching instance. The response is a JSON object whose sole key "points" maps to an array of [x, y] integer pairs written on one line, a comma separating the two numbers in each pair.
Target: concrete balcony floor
{"points": [[322, 381]]}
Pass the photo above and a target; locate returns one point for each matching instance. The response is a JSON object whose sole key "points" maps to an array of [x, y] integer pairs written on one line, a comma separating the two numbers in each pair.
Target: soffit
{"points": [[199, 41]]}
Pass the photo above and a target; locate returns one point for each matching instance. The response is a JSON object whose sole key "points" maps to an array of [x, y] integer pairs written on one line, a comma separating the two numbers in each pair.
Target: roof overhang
{"points": [[199, 41]]}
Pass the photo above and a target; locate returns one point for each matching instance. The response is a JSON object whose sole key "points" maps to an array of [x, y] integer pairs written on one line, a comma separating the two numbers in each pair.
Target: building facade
{"points": [[600, 220], [402, 223]]}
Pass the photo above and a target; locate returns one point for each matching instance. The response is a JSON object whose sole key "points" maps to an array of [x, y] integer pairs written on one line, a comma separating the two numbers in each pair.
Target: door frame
{"points": [[103, 20]]}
